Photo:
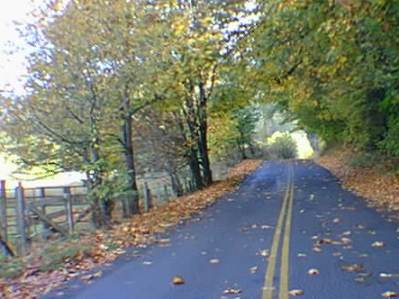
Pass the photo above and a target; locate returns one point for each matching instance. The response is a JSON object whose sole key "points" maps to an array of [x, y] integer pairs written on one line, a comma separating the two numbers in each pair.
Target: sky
{"points": [[12, 66], [12, 70]]}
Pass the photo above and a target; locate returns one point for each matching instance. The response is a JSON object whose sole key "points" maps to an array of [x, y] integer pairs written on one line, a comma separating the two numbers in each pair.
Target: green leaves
{"points": [[331, 65]]}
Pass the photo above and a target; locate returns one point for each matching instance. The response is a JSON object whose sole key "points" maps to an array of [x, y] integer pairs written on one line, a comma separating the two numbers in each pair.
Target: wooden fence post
{"points": [[159, 197], [42, 197], [147, 198], [186, 186], [166, 192], [21, 220], [190, 185], [3, 210], [69, 208], [125, 207]]}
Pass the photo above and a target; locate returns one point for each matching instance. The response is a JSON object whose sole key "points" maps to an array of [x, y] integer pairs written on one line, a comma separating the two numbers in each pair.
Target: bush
{"points": [[364, 159], [283, 147], [10, 267]]}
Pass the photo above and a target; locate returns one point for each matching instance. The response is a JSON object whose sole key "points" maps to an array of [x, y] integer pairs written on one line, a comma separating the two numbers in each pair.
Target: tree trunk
{"points": [[241, 148], [195, 168], [94, 178], [203, 136], [252, 149], [127, 139], [98, 212], [192, 153]]}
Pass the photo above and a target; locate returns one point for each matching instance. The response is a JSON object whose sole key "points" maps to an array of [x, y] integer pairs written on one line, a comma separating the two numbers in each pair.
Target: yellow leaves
{"points": [[289, 4], [180, 25], [207, 21]]}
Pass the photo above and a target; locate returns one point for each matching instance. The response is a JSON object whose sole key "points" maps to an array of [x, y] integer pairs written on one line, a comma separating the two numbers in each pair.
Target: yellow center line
{"points": [[285, 251], [268, 287]]}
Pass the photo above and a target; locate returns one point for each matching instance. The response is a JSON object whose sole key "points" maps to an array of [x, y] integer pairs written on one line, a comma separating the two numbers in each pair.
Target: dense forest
{"points": [[118, 86]]}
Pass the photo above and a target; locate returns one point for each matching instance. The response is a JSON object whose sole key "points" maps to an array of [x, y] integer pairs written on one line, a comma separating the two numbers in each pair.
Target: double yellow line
{"points": [[283, 227]]}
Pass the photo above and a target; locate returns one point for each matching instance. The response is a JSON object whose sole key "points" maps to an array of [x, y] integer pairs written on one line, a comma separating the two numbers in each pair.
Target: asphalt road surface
{"points": [[290, 227]]}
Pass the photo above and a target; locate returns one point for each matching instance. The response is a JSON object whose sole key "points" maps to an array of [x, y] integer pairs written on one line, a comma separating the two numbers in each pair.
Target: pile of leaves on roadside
{"points": [[58, 262], [374, 180]]}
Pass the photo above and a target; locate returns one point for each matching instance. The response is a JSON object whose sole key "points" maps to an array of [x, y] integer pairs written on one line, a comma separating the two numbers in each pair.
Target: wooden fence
{"points": [[27, 214], [36, 214]]}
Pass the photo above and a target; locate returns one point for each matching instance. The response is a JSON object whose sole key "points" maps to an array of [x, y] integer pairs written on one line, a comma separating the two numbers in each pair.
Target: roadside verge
{"points": [[379, 186]]}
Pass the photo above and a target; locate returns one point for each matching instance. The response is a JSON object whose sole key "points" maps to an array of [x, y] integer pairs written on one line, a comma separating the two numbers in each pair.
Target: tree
{"points": [[283, 146], [332, 65], [96, 66], [246, 120], [81, 95], [198, 42]]}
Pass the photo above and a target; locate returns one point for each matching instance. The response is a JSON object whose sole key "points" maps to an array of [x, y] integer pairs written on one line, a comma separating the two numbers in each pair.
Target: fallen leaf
{"points": [[378, 244], [214, 261], [296, 292], [178, 280], [324, 241], [317, 249], [352, 267], [313, 271], [264, 252], [265, 226], [253, 269], [346, 241], [232, 291], [164, 241], [87, 278], [390, 294]]}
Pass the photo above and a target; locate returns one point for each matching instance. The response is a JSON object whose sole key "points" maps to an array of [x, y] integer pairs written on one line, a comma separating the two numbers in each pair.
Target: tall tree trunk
{"points": [[191, 138], [252, 149], [195, 169], [241, 148], [203, 136], [99, 213], [127, 139]]}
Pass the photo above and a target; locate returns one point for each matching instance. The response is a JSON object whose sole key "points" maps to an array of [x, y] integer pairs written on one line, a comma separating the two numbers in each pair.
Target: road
{"points": [[290, 226]]}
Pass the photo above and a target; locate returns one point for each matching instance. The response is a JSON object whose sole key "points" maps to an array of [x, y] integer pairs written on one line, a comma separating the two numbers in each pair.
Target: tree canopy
{"points": [[117, 87]]}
